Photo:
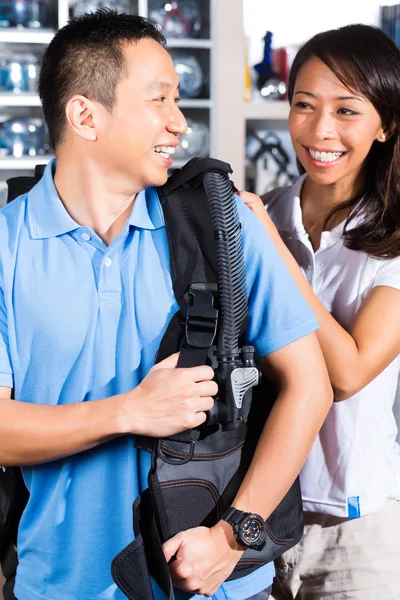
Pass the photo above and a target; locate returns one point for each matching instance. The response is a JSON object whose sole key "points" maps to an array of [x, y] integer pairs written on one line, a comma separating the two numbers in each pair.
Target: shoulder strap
{"points": [[22, 185], [189, 227]]}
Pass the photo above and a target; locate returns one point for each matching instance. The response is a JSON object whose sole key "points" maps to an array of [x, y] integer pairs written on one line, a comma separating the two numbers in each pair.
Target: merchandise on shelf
{"points": [[79, 7], [18, 72], [23, 137], [195, 142], [269, 83], [24, 13], [179, 19], [190, 74], [390, 21], [270, 161]]}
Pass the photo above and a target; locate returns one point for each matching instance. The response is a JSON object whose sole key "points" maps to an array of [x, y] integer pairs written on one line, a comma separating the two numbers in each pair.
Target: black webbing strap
{"points": [[22, 185], [131, 568], [9, 563]]}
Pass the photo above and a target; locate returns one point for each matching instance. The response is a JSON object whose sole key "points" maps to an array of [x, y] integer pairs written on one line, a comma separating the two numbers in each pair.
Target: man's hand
{"points": [[168, 400], [204, 558]]}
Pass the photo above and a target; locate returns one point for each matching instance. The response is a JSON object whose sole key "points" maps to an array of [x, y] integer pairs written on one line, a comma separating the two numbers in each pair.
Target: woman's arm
{"points": [[354, 357]]}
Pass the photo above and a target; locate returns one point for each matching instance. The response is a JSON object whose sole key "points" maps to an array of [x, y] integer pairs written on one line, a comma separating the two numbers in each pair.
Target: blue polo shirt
{"points": [[80, 321]]}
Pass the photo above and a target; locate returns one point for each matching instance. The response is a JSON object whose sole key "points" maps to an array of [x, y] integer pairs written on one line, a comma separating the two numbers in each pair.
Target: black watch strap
{"points": [[233, 516]]}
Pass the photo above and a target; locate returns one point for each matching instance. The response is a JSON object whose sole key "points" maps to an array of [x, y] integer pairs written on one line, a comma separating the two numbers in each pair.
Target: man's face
{"points": [[134, 141]]}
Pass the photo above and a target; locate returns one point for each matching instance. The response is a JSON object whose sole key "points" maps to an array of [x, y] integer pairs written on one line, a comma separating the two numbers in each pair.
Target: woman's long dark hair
{"points": [[366, 61]]}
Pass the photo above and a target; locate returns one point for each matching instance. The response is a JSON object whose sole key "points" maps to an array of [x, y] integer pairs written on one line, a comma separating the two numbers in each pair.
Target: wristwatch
{"points": [[248, 528]]}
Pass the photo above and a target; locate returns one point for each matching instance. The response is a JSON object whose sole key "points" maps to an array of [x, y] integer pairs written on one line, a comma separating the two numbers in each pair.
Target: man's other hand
{"points": [[204, 558]]}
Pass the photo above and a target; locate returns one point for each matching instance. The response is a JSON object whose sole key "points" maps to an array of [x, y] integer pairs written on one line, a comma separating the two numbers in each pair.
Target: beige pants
{"points": [[340, 559]]}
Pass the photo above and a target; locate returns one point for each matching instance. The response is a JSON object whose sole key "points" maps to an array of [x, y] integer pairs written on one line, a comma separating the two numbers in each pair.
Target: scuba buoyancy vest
{"points": [[194, 475]]}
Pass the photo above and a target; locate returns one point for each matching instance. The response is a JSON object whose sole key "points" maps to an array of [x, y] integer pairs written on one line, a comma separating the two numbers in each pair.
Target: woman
{"points": [[341, 224]]}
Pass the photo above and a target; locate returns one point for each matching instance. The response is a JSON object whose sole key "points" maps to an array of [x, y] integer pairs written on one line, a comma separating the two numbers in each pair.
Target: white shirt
{"points": [[354, 465]]}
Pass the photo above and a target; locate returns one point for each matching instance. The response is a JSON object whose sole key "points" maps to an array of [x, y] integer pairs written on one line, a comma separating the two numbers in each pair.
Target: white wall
{"points": [[294, 22]]}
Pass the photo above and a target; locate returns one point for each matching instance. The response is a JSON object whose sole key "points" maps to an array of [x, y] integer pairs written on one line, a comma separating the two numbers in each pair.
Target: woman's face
{"points": [[332, 128]]}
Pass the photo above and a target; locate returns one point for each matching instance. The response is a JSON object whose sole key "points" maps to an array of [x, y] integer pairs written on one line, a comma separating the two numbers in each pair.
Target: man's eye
{"points": [[160, 99], [177, 100]]}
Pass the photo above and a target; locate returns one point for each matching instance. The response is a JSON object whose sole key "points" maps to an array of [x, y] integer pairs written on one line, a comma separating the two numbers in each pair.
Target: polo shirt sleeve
{"points": [[278, 313], [6, 378], [388, 274]]}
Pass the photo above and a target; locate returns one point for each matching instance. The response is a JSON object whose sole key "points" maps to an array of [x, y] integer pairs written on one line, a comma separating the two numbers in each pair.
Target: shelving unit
{"points": [[34, 41], [277, 110]]}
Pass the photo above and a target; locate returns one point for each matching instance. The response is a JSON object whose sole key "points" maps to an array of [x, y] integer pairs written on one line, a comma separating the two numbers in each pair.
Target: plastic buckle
{"points": [[201, 319]]}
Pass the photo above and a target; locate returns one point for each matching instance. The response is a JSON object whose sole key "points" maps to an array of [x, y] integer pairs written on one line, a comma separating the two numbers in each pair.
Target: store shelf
{"points": [[25, 105], [188, 43], [21, 99], [269, 109], [179, 163], [26, 162], [26, 99], [26, 36], [195, 103]]}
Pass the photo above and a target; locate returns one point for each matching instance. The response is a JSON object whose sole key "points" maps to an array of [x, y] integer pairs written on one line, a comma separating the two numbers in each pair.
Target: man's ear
{"points": [[80, 114]]}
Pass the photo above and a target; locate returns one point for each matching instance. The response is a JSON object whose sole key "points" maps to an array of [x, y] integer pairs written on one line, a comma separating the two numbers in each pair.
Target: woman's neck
{"points": [[318, 201]]}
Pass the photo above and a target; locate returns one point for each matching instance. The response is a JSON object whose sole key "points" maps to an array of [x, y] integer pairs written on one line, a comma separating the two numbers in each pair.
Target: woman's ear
{"points": [[79, 113], [385, 134]]}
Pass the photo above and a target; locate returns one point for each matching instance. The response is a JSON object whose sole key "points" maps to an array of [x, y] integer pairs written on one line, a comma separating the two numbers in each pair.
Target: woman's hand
{"points": [[253, 201], [255, 204]]}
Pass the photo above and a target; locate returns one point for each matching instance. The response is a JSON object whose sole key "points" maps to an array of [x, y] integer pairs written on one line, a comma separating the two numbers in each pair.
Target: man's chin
{"points": [[159, 178]]}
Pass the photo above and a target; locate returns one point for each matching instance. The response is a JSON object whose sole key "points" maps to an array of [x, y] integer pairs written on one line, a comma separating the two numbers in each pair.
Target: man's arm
{"points": [[206, 557], [168, 400]]}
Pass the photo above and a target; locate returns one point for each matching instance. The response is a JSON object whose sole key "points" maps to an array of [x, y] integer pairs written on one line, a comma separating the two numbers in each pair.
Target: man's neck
{"points": [[94, 197]]}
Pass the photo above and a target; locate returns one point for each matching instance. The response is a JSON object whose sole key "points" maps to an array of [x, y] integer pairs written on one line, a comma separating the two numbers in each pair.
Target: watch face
{"points": [[251, 531]]}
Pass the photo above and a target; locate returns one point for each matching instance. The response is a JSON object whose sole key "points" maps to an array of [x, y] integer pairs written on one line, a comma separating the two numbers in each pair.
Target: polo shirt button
{"points": [[107, 261], [86, 237]]}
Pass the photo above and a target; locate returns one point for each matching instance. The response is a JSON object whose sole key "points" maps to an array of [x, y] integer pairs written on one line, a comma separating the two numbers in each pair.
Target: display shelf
{"points": [[25, 104], [27, 99], [21, 99], [195, 103], [188, 43], [24, 163], [267, 110], [26, 36], [178, 164]]}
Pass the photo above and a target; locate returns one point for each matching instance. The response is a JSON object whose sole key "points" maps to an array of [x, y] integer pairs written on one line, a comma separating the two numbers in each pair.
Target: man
{"points": [[86, 297]]}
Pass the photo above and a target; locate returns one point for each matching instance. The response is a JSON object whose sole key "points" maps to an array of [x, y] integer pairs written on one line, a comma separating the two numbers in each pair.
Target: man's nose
{"points": [[177, 123]]}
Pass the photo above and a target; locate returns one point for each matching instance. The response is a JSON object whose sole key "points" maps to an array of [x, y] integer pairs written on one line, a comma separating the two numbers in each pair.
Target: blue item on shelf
{"points": [[24, 13], [19, 73], [81, 7], [195, 142], [190, 74], [269, 83], [23, 137], [179, 19]]}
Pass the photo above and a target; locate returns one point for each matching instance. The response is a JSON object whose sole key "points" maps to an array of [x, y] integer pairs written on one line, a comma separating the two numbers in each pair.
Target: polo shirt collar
{"points": [[48, 217], [147, 212], [291, 218], [46, 213]]}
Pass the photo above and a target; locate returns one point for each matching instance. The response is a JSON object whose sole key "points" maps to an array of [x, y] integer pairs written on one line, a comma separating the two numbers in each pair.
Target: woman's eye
{"points": [[303, 105], [177, 100], [160, 99], [347, 111]]}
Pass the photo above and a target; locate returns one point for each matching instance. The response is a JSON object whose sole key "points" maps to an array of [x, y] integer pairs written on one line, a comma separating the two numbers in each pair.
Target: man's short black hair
{"points": [[85, 57]]}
